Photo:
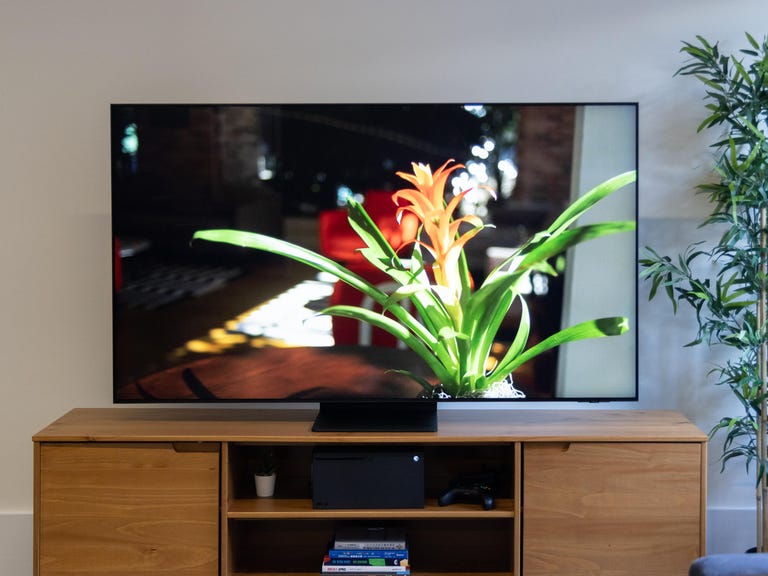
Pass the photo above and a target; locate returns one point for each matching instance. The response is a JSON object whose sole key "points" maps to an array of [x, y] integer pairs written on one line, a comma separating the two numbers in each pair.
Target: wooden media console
{"points": [[159, 491]]}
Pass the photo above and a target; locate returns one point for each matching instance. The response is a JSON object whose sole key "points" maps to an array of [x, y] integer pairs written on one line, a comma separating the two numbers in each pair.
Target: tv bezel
{"points": [[389, 408]]}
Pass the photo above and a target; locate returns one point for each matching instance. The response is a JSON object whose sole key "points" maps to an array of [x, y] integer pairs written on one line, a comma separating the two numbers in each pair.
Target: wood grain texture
{"points": [[613, 509], [119, 509], [292, 426], [164, 491]]}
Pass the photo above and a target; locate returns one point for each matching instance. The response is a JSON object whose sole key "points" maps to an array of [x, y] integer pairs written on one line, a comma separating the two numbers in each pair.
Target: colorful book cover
{"points": [[360, 570], [372, 562]]}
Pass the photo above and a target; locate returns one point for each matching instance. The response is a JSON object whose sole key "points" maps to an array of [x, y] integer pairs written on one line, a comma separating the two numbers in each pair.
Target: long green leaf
{"points": [[569, 216], [319, 262], [381, 255], [484, 328], [487, 307], [599, 328], [298, 253], [379, 252], [399, 331], [547, 247], [586, 201], [518, 344]]}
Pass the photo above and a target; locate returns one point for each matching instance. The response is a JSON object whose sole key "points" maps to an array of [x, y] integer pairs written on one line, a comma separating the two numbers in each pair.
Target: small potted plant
{"points": [[265, 474]]}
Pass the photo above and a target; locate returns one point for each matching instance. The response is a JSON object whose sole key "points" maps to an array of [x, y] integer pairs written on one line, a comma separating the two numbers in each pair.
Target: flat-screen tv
{"points": [[206, 322]]}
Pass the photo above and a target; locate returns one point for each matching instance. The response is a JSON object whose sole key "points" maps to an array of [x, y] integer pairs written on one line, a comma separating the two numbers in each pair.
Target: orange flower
{"points": [[426, 202]]}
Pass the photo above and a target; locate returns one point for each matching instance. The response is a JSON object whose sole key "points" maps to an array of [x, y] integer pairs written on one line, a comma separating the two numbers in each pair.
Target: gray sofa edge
{"points": [[730, 565]]}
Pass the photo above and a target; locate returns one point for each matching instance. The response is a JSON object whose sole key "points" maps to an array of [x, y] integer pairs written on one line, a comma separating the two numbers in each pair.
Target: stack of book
{"points": [[363, 551]]}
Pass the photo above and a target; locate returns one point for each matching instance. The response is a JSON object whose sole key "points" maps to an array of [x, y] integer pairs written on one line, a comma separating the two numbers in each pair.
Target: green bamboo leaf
{"points": [[756, 132], [752, 41], [709, 121], [703, 41], [695, 51], [711, 83], [733, 151], [741, 71]]}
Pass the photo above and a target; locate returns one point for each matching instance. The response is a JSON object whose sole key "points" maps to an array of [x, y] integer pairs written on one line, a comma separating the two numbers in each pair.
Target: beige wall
{"points": [[62, 63]]}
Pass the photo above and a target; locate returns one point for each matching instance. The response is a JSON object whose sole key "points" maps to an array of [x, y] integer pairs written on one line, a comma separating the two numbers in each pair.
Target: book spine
{"points": [[398, 570], [370, 562], [368, 553], [404, 572], [355, 545]]}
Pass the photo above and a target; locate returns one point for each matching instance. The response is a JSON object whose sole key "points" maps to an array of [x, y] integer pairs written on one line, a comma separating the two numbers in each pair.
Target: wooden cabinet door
{"points": [[615, 509], [118, 509]]}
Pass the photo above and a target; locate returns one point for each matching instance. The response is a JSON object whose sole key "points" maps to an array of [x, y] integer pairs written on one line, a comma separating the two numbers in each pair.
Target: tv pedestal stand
{"points": [[376, 417], [171, 491]]}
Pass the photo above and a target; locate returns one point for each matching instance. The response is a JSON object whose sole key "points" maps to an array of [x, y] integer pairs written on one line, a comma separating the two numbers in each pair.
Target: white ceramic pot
{"points": [[265, 485]]}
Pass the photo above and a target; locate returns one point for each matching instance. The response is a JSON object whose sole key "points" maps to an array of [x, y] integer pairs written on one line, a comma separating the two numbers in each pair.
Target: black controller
{"points": [[470, 488]]}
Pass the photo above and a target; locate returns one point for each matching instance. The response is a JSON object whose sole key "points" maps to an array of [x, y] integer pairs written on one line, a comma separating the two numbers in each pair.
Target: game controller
{"points": [[470, 488]]}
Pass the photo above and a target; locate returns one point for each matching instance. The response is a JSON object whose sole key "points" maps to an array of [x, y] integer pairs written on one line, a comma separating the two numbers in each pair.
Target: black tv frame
{"points": [[371, 406]]}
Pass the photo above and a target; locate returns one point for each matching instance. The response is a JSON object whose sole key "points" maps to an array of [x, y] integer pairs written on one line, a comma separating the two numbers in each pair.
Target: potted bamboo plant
{"points": [[730, 307]]}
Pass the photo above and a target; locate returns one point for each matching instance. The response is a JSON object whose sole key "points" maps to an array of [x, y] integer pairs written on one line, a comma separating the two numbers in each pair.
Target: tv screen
{"points": [[208, 322]]}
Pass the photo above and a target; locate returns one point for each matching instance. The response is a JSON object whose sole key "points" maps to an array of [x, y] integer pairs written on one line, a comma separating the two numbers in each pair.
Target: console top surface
{"points": [[128, 424]]}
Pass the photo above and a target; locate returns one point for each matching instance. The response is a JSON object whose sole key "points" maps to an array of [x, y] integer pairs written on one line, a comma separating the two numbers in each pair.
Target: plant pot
{"points": [[265, 485]]}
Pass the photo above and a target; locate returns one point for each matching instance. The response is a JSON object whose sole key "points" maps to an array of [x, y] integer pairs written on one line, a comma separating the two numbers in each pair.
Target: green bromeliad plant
{"points": [[453, 325]]}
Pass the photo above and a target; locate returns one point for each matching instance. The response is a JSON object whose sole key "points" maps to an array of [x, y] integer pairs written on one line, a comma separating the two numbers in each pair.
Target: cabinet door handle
{"points": [[188, 447]]}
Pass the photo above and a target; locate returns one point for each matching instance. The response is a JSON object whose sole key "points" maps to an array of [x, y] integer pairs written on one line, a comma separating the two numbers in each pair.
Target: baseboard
{"points": [[15, 543]]}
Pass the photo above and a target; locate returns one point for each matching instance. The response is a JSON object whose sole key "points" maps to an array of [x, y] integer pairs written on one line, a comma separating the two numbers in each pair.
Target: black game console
{"points": [[367, 478]]}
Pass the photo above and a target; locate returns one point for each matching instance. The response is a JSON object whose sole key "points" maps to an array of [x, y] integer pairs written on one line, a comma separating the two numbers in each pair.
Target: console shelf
{"points": [[153, 491], [264, 508]]}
